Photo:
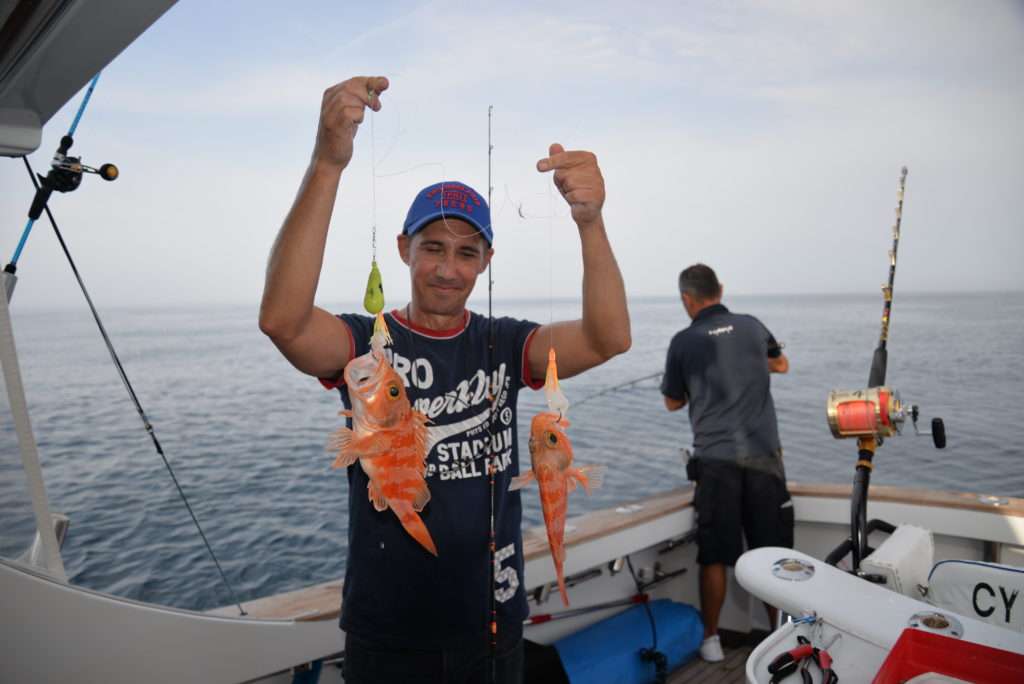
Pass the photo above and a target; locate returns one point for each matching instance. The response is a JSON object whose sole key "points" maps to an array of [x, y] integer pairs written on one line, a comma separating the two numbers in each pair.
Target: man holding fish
{"points": [[416, 596], [719, 367]]}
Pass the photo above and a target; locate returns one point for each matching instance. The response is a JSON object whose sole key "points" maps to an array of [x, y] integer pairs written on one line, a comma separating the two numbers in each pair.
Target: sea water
{"points": [[245, 432]]}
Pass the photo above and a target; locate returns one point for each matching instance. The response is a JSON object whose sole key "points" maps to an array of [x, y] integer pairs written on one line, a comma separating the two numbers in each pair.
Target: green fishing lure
{"points": [[373, 300]]}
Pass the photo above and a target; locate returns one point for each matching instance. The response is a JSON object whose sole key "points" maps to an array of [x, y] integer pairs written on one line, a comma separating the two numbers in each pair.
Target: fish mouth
{"points": [[367, 377], [364, 374]]}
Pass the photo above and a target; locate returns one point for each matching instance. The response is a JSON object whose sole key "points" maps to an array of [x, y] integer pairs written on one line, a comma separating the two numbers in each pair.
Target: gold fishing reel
{"points": [[875, 413]]}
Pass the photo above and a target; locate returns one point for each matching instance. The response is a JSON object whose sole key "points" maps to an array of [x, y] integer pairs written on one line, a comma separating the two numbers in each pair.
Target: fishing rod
{"points": [[65, 176], [879, 362], [541, 618], [871, 415], [624, 385], [492, 400]]}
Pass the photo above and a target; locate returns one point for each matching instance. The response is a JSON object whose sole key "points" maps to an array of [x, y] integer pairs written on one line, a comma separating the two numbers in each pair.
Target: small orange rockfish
{"points": [[388, 438], [551, 456]]}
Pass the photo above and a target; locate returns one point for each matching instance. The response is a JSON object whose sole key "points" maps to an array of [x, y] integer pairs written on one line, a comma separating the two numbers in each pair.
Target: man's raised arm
{"points": [[312, 339], [603, 331]]}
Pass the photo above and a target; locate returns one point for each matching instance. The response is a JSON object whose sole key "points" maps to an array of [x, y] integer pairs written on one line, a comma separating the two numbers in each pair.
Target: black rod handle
{"points": [[878, 366]]}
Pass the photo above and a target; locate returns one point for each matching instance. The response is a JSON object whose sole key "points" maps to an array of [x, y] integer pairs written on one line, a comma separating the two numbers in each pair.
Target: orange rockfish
{"points": [[551, 456], [388, 438]]}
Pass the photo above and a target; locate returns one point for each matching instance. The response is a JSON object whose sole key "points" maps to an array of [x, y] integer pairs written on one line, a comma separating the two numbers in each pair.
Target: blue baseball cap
{"points": [[449, 199]]}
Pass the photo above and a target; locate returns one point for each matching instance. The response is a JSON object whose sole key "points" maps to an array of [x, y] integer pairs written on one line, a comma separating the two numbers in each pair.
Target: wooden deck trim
{"points": [[610, 520], [309, 604], [323, 601], [915, 497]]}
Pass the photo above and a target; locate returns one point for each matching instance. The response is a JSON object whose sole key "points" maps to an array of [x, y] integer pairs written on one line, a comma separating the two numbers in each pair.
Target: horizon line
{"points": [[356, 305]]}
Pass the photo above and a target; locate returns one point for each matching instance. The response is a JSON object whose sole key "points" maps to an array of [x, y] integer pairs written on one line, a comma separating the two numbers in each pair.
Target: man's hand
{"points": [[578, 178], [778, 364], [673, 404], [341, 112]]}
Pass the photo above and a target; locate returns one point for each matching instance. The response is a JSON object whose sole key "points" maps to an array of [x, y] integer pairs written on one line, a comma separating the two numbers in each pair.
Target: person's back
{"points": [[720, 367], [722, 362]]}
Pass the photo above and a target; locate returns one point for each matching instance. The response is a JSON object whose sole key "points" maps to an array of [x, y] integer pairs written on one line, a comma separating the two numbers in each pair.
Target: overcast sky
{"points": [[764, 139]]}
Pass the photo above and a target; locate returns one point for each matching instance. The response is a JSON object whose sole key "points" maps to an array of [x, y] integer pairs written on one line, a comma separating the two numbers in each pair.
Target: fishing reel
{"points": [[876, 413], [65, 176]]}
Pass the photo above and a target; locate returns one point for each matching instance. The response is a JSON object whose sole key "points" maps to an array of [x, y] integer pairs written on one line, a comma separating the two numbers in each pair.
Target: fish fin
{"points": [[345, 412], [413, 524], [521, 481], [591, 477], [376, 496], [421, 433], [352, 447], [421, 499], [341, 441]]}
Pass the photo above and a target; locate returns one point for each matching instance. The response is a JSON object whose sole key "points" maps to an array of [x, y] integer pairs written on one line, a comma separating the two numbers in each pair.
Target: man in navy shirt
{"points": [[719, 367], [408, 615]]}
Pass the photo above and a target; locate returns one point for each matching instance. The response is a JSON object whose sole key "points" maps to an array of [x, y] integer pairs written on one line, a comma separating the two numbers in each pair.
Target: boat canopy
{"points": [[49, 49]]}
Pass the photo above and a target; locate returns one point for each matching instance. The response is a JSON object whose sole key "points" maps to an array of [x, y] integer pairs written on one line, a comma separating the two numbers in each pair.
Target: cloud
{"points": [[765, 138]]}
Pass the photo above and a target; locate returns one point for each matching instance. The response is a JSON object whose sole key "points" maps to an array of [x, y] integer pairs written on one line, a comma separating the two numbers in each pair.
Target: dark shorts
{"points": [[734, 501], [367, 662]]}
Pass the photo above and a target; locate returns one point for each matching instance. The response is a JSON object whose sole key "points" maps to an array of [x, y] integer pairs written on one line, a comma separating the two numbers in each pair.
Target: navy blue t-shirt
{"points": [[395, 591], [719, 365]]}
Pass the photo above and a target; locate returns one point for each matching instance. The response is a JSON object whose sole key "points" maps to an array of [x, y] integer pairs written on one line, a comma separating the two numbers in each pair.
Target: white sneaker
{"points": [[711, 649]]}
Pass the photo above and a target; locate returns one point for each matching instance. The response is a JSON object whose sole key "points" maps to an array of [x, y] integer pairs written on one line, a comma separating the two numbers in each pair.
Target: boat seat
{"points": [[904, 560], [985, 591]]}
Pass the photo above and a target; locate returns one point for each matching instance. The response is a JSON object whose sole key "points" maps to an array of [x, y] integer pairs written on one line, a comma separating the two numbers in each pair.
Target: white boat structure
{"points": [[54, 631]]}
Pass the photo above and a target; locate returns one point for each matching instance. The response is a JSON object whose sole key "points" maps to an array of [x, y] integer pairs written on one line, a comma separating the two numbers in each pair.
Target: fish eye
{"points": [[552, 439], [393, 391]]}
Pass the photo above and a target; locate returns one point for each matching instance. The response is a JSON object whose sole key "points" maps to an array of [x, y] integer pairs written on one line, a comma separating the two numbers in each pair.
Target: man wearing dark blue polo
{"points": [[720, 367]]}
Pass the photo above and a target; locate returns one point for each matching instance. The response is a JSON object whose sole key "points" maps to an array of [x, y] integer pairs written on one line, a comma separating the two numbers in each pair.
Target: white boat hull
{"points": [[66, 633], [54, 632]]}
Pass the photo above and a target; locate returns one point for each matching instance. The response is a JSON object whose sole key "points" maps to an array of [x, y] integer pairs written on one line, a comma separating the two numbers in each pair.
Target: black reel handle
{"points": [[938, 433]]}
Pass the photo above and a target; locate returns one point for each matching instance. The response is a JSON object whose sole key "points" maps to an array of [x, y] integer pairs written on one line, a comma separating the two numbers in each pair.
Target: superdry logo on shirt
{"points": [[460, 458], [724, 330]]}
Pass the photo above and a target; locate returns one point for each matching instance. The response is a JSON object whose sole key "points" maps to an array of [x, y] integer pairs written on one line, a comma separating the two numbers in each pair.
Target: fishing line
{"points": [[551, 269], [373, 299], [373, 183], [131, 391], [394, 139], [505, 199], [527, 215], [411, 169]]}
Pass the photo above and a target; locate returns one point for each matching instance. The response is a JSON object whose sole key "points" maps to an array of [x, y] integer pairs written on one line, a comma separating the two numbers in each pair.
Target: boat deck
{"points": [[732, 670]]}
